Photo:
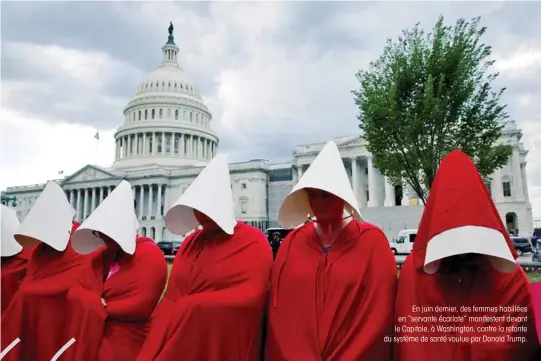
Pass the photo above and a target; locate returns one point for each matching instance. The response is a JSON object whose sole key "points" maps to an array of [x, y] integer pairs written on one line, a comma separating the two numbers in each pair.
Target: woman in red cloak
{"points": [[460, 293], [333, 284], [119, 285], [536, 299], [37, 314], [214, 303], [14, 256]]}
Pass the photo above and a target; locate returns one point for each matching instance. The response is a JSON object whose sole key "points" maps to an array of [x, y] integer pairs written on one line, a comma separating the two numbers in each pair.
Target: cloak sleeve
{"points": [[13, 272], [118, 330]]}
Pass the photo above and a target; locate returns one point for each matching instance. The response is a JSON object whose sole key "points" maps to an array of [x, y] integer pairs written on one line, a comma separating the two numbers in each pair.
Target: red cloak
{"points": [[115, 332], [214, 303], [536, 299], [488, 314], [37, 315], [334, 306], [484, 287], [13, 271]]}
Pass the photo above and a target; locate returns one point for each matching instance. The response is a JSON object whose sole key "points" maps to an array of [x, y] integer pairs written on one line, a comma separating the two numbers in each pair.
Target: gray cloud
{"points": [[274, 74]]}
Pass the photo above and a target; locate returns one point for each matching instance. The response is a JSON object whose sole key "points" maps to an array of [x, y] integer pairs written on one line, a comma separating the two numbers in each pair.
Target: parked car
{"points": [[168, 247], [537, 256], [403, 244], [522, 245], [175, 250]]}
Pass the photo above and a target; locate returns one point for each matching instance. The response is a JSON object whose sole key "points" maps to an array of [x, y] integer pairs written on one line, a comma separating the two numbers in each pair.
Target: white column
{"points": [[166, 199], [159, 210], [163, 143], [102, 191], [149, 201], [181, 145], [129, 146], [389, 193], [405, 196], [172, 144], [524, 181], [141, 201], [93, 204], [517, 175], [372, 184], [497, 186], [79, 199], [299, 172], [71, 197], [354, 177], [85, 203], [145, 144]]}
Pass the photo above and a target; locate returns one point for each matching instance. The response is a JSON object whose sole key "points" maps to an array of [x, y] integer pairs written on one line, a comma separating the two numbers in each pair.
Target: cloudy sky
{"points": [[274, 74]]}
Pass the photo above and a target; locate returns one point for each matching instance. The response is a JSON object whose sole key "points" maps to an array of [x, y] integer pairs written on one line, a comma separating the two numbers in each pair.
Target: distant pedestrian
{"points": [[275, 243], [534, 242]]}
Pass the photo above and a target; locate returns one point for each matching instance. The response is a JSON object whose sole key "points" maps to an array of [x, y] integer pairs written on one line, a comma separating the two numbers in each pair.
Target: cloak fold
{"points": [[334, 306], [37, 315], [484, 287], [115, 332], [13, 272], [214, 303]]}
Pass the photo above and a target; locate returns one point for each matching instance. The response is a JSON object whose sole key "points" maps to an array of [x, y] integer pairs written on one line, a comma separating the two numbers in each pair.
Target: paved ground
{"points": [[524, 258]]}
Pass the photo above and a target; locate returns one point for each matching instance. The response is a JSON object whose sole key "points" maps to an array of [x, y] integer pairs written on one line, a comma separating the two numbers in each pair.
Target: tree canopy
{"points": [[427, 94]]}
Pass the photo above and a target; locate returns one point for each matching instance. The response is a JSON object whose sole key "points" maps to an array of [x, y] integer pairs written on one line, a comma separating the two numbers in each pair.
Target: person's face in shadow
{"points": [[459, 262], [205, 222], [326, 206]]}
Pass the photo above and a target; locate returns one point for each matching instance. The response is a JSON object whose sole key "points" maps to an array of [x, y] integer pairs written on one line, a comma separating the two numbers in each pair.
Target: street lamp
{"points": [[5, 200]]}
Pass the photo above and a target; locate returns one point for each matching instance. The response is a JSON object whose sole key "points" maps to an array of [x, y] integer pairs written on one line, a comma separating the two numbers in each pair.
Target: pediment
{"points": [[90, 173], [351, 141]]}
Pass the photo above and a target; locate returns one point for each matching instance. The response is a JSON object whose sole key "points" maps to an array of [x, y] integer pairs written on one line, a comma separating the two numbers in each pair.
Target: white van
{"points": [[403, 243]]}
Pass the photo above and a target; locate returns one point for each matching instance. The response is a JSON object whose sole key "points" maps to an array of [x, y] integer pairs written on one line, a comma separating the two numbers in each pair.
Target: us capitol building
{"points": [[166, 140]]}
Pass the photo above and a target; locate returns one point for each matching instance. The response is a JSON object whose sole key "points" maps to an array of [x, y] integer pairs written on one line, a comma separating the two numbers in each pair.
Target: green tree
{"points": [[428, 94]]}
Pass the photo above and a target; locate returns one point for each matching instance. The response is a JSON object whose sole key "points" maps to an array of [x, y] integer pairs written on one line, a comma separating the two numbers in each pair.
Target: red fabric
{"points": [[13, 271], [335, 306], [458, 197], [484, 288], [115, 332], [37, 315], [214, 303], [462, 199], [536, 299]]}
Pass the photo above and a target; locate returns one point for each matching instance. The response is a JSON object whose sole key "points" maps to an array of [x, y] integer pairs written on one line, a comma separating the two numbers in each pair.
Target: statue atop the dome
{"points": [[171, 28]]}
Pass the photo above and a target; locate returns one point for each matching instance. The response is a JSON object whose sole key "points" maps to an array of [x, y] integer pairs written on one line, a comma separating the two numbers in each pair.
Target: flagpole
{"points": [[97, 140]]}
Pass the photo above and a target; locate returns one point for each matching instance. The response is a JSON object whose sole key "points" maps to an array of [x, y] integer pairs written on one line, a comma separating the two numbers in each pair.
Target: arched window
{"points": [[176, 114], [168, 113], [161, 113], [139, 115], [153, 113], [191, 116], [146, 114]]}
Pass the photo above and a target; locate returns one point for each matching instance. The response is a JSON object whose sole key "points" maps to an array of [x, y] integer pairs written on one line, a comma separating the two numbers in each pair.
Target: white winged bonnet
{"points": [[49, 220], [210, 193], [326, 173], [10, 224], [115, 217]]}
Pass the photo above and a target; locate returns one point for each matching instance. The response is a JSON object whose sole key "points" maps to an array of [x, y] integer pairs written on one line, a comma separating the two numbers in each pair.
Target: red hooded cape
{"points": [[37, 315], [459, 198], [13, 271], [214, 303], [115, 332], [335, 306], [536, 298]]}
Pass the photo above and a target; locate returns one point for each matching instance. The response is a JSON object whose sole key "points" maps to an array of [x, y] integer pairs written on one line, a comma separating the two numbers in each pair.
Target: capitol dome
{"points": [[166, 123]]}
